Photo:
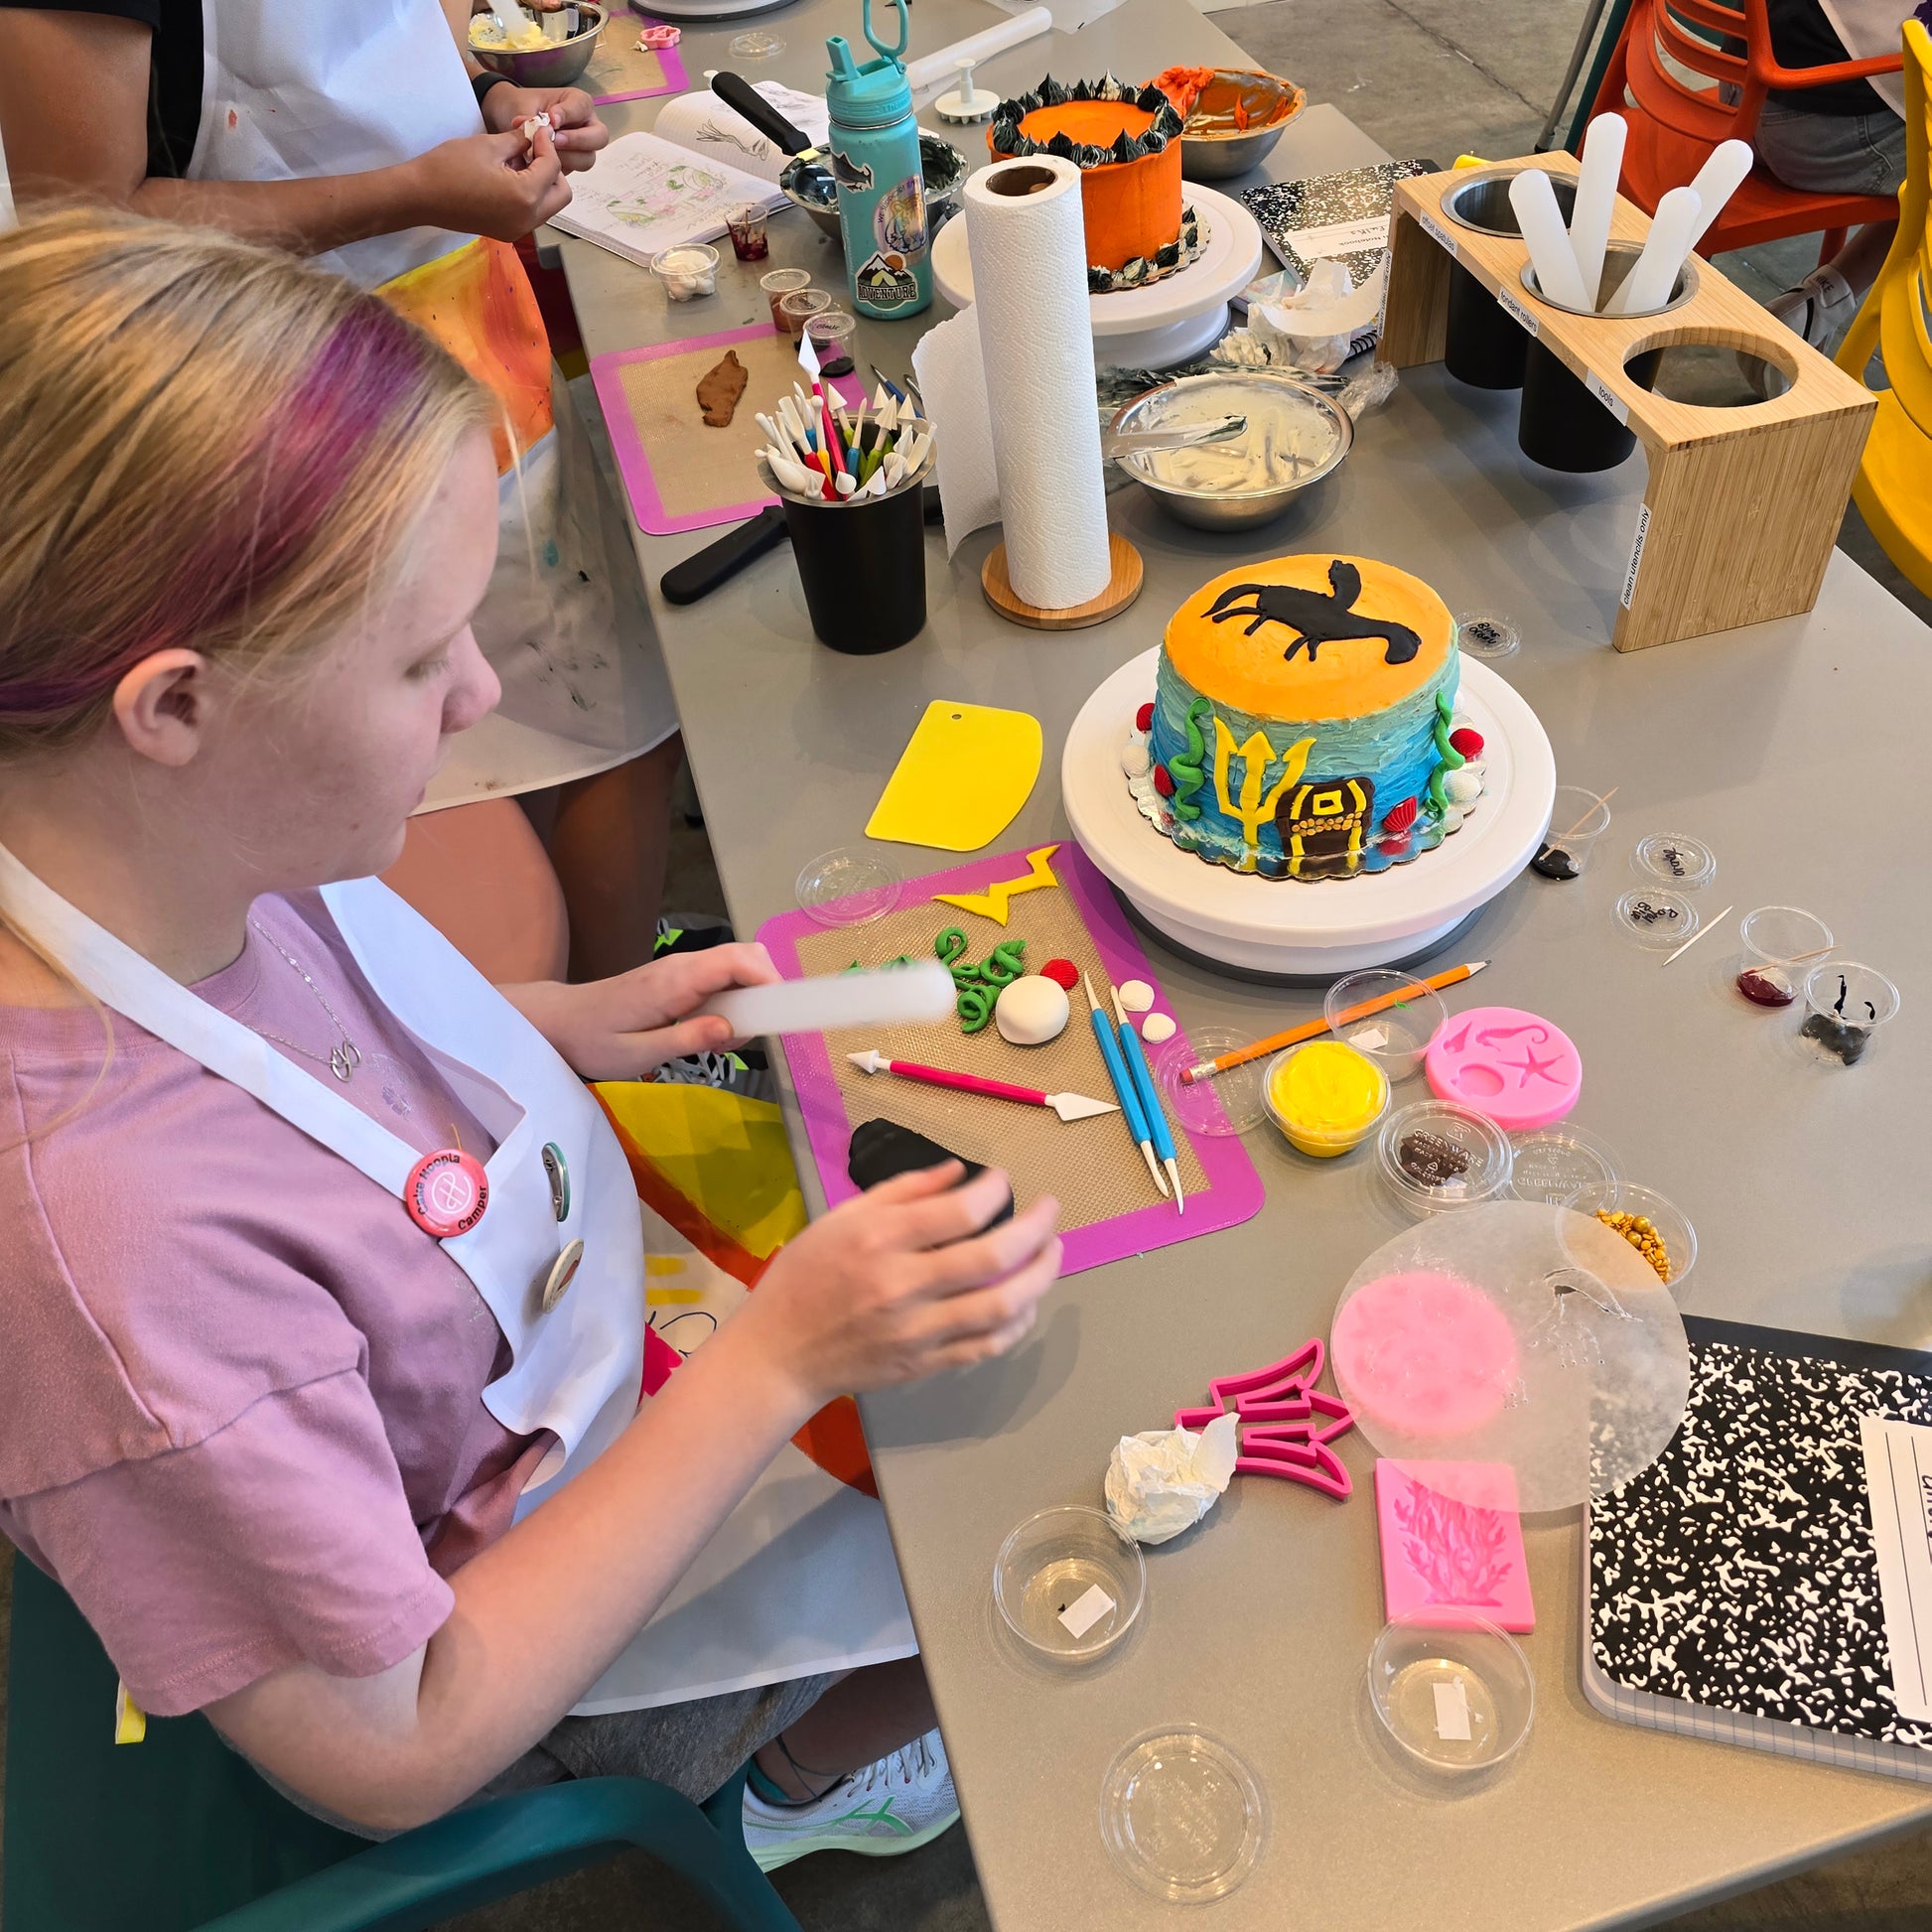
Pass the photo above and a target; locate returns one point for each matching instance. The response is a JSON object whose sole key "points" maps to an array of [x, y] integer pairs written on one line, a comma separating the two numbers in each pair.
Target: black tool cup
{"points": [[1483, 347]]}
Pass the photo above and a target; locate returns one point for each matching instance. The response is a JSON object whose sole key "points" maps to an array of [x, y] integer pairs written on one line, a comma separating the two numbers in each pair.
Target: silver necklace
{"points": [[341, 1061]]}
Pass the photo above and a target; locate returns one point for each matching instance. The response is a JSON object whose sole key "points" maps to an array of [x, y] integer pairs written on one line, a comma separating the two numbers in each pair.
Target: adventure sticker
{"points": [[898, 217], [886, 282]]}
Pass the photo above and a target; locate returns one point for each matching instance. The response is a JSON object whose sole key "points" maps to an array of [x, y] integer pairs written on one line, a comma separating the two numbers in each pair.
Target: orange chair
{"points": [[1674, 124], [1893, 490]]}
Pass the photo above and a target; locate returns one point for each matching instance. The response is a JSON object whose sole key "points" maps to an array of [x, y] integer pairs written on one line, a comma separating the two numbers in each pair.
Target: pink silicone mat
{"points": [[1108, 1206], [679, 472]]}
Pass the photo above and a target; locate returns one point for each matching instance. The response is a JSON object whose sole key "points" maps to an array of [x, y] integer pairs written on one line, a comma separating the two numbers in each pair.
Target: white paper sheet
{"points": [[703, 123], [1899, 1488], [645, 194]]}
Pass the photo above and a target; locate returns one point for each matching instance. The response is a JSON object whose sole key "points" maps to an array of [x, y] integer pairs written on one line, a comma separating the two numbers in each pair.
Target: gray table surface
{"points": [[1788, 747]]}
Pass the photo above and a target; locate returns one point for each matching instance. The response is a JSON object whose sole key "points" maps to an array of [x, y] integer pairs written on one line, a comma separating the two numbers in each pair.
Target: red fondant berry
{"points": [[1063, 972], [1163, 781], [1144, 719], [1467, 742], [1400, 817]]}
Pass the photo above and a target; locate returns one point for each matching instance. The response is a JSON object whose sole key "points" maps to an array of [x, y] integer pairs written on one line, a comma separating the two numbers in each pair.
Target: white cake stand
{"points": [[1287, 928], [1167, 322]]}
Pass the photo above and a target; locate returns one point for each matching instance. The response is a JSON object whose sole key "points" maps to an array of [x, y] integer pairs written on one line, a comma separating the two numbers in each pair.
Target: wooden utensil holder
{"points": [[1742, 504]]}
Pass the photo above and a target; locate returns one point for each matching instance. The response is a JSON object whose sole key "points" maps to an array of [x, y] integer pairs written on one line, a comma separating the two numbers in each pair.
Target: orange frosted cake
{"points": [[1125, 143], [1304, 722]]}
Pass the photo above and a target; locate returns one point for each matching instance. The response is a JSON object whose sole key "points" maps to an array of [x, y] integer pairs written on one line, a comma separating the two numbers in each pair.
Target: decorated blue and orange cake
{"points": [[1304, 722]]}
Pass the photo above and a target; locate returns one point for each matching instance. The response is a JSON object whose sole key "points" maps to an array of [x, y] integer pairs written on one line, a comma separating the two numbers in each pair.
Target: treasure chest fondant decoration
{"points": [[1322, 826]]}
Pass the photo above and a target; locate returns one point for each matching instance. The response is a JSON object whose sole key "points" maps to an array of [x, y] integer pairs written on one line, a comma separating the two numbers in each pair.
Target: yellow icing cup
{"points": [[1326, 1097]]}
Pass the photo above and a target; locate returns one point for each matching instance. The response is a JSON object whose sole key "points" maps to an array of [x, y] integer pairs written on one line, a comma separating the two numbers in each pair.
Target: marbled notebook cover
{"points": [[1732, 1587]]}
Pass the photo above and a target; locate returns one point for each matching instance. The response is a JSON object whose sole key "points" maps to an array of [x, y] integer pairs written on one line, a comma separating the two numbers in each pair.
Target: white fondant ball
{"points": [[1031, 1010], [1464, 788], [1134, 759]]}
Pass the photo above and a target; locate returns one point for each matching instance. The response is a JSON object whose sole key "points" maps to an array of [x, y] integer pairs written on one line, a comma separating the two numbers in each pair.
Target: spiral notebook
{"points": [[1768, 1581]]}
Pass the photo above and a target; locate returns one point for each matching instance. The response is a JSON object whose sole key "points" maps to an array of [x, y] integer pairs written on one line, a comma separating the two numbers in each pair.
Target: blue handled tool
{"points": [[1124, 1088], [1157, 1120]]}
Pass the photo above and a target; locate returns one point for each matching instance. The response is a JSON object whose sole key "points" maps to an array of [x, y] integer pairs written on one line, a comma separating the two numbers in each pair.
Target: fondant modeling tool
{"points": [[1069, 1106], [1314, 1028], [1698, 934], [887, 996], [1124, 1088], [962, 778], [1718, 180], [1143, 1077], [1590, 216]]}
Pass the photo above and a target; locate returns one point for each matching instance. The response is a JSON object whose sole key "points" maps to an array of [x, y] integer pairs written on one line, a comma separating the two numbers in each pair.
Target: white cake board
{"points": [[1280, 927], [702, 10], [1166, 322]]}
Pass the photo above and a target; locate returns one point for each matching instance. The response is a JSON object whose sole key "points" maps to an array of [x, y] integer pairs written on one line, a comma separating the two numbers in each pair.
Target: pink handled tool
{"points": [[1069, 1106]]}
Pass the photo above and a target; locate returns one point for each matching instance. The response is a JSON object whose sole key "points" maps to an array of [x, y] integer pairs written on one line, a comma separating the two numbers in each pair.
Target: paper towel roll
{"points": [[1027, 241]]}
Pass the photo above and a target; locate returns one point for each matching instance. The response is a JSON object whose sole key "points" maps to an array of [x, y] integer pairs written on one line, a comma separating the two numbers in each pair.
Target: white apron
{"points": [[800, 1579], [292, 91]]}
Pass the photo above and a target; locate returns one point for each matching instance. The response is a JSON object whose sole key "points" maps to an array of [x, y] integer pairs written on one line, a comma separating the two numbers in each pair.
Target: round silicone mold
{"points": [[1515, 1067]]}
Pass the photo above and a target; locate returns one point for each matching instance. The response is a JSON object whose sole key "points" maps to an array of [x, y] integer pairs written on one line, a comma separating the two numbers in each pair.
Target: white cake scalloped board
{"points": [[1166, 322], [1288, 926]]}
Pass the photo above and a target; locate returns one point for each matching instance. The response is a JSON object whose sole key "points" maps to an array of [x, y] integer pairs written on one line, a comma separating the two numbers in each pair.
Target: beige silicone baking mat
{"points": [[621, 70]]}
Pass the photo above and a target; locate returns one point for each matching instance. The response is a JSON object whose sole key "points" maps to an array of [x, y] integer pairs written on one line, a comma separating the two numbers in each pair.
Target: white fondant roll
{"points": [[1028, 247]]}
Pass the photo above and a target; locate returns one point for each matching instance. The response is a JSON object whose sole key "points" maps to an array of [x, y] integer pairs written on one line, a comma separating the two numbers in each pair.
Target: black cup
{"points": [[1483, 347], [1563, 426], [863, 566]]}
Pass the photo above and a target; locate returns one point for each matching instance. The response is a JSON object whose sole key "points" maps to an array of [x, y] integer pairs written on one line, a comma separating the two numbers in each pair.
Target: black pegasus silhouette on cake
{"points": [[1315, 618]]}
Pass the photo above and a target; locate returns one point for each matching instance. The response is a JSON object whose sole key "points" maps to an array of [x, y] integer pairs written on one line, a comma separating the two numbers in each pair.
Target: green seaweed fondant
{"points": [[977, 986], [1187, 770], [1448, 758]]}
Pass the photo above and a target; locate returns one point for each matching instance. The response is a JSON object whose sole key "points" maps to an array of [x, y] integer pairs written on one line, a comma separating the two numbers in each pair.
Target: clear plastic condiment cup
{"points": [[779, 283], [1578, 819], [1844, 1006], [797, 308], [1396, 1038], [687, 271], [1773, 941]]}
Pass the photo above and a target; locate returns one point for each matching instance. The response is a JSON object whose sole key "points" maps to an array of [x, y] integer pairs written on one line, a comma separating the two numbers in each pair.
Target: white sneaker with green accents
{"points": [[895, 1805]]}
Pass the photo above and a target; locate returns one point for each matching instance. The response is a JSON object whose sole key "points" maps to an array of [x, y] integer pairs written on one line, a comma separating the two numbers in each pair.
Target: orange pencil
{"points": [[1314, 1028]]}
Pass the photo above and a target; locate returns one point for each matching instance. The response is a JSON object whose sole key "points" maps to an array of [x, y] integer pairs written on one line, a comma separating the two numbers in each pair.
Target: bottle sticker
{"points": [[1511, 306], [1610, 400], [1636, 554], [1437, 233], [884, 281], [851, 177], [898, 217]]}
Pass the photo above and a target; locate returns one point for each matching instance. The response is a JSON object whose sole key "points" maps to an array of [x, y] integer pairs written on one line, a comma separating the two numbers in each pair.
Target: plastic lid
{"points": [[849, 886], [1517, 1333], [1674, 859], [1182, 1815], [1656, 917], [1436, 1155], [874, 96], [1487, 634], [1221, 1104], [1565, 1167]]}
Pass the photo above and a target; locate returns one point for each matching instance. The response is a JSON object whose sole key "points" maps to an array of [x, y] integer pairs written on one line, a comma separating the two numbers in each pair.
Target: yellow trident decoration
{"points": [[1252, 809]]}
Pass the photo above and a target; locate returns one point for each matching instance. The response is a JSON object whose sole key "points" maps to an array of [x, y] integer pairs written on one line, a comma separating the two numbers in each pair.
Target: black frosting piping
{"points": [[1009, 141]]}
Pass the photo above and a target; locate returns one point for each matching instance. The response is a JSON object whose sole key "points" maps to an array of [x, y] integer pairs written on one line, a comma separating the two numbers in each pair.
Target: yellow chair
{"points": [[1894, 484]]}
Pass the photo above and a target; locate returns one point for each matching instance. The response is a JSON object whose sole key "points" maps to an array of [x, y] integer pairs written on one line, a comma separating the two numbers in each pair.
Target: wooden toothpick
{"points": [[1698, 934]]}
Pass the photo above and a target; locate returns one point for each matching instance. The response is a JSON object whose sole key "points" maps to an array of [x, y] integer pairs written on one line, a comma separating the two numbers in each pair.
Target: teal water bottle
{"points": [[875, 145]]}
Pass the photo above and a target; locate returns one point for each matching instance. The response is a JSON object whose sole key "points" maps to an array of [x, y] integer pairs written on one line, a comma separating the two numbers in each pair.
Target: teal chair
{"points": [[179, 1835]]}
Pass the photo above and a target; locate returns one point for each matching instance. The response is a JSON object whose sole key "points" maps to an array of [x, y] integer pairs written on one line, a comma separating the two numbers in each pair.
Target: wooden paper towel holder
{"points": [[1742, 505], [1123, 587]]}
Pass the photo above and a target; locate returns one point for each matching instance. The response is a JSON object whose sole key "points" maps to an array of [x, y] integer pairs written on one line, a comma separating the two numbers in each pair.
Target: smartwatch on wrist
{"points": [[480, 83]]}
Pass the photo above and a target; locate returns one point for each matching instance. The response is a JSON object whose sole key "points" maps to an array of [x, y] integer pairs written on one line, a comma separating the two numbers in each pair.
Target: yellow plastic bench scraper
{"points": [[961, 780]]}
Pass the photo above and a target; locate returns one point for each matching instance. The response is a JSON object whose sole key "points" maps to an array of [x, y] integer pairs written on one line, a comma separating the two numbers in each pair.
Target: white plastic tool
{"points": [[1672, 229], [928, 74], [1541, 222], [966, 102], [1590, 219], [888, 995], [1718, 180]]}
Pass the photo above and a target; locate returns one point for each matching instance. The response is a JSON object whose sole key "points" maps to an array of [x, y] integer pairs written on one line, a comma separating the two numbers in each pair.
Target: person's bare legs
{"points": [[856, 1722], [608, 842]]}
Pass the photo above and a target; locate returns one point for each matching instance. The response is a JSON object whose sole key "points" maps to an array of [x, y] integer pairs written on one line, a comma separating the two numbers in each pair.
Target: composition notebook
{"points": [[1768, 1581]]}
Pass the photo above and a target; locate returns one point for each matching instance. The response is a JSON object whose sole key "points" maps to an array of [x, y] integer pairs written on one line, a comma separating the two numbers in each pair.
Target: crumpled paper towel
{"points": [[1315, 324], [1165, 1480]]}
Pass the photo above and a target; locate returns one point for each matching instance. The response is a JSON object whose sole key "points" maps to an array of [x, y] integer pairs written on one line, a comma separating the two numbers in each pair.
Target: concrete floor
{"points": [[1433, 77]]}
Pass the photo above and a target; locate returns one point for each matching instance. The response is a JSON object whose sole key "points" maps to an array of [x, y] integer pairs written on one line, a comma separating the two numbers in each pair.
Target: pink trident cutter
{"points": [[1279, 1436]]}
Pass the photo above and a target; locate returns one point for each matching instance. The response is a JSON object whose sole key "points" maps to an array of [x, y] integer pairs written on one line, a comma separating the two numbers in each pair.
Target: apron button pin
{"points": [[446, 1193], [556, 1172], [562, 1271]]}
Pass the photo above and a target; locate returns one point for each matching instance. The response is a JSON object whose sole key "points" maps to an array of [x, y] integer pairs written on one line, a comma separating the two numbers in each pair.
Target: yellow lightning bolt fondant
{"points": [[994, 902]]}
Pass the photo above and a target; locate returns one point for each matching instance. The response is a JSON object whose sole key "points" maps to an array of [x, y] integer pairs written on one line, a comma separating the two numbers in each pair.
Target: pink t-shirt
{"points": [[241, 1391]]}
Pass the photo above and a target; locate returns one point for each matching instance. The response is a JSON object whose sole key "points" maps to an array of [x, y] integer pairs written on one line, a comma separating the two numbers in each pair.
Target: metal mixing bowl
{"points": [[1216, 157], [558, 65], [809, 185], [1302, 434]]}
